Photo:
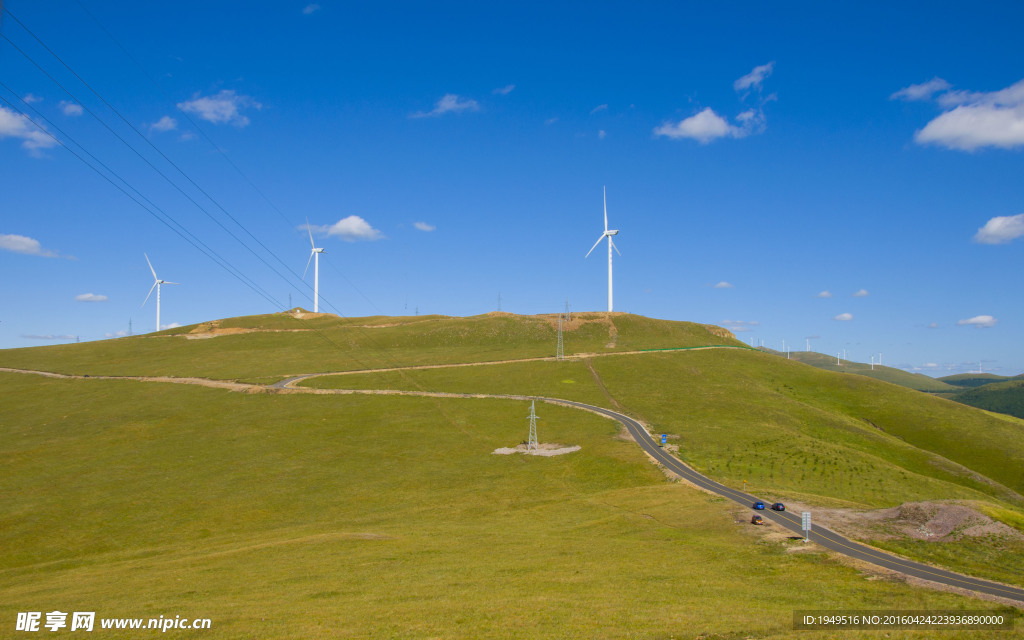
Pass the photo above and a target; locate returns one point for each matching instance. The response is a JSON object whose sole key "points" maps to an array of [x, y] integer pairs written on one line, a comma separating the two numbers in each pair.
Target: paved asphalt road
{"points": [[820, 535]]}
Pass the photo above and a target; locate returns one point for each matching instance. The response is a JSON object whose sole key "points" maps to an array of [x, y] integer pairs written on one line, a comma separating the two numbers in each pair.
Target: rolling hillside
{"points": [[289, 514]]}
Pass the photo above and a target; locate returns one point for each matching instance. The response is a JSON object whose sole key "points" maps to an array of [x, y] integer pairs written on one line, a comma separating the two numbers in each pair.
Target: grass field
{"points": [[296, 516], [916, 381]]}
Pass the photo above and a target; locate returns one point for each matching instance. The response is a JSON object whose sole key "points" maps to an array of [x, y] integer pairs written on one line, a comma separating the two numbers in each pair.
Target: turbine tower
{"points": [[316, 269], [608, 233], [156, 285]]}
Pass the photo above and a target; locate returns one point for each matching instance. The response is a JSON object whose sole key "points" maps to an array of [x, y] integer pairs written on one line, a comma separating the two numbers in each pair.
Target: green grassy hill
{"points": [[972, 380], [916, 381], [287, 515], [1005, 397], [278, 345]]}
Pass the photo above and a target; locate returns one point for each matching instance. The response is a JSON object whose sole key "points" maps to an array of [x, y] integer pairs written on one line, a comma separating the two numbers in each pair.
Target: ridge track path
{"points": [[820, 535]]}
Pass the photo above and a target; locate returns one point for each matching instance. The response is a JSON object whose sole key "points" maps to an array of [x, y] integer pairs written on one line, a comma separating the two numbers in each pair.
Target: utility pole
{"points": [[499, 301], [130, 326]]}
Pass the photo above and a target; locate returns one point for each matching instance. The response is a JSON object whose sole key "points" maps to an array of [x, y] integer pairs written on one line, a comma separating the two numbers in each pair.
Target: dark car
{"points": [[759, 505], [778, 506], [757, 519]]}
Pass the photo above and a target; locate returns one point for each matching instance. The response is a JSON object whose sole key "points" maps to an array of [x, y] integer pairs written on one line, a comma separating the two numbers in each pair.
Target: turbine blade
{"points": [[150, 268], [594, 247], [148, 294], [604, 190], [613, 245], [310, 230], [166, 282], [307, 263]]}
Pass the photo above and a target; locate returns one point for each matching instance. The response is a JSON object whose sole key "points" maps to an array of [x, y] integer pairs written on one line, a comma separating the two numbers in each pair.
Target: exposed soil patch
{"points": [[545, 449], [930, 521]]}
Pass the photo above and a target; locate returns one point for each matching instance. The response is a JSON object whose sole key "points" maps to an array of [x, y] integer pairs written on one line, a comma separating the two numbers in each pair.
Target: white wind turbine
{"points": [[607, 234], [156, 285], [316, 269]]}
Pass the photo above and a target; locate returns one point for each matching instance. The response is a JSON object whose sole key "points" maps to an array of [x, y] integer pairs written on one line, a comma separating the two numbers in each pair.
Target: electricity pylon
{"points": [[532, 444], [559, 353]]}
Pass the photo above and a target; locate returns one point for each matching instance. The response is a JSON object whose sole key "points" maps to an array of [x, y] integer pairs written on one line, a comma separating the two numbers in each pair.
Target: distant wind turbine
{"points": [[316, 268], [607, 234], [156, 285]]}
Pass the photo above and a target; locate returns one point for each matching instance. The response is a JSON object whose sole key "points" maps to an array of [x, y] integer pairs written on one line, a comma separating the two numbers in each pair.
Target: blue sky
{"points": [[755, 158]]}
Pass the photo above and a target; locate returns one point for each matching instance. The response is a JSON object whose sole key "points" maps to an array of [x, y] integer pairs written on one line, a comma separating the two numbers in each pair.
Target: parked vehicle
{"points": [[757, 519]]}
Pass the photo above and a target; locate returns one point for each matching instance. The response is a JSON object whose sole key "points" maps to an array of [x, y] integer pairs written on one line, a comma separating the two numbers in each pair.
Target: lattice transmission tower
{"points": [[559, 353], [532, 444]]}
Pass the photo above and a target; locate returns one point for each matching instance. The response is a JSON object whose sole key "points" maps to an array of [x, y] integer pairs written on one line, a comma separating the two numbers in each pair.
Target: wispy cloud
{"points": [[863, 293], [724, 285], [223, 108], [348, 229], [601, 134], [923, 91], [91, 297], [824, 294], [1001, 229], [170, 325], [971, 119], [707, 125], [33, 139], [25, 245], [844, 317], [740, 326], [117, 334], [755, 78], [598, 109], [982, 322], [310, 8], [71, 108], [166, 123], [449, 103], [551, 121], [933, 325], [504, 91], [48, 336], [32, 98], [423, 226]]}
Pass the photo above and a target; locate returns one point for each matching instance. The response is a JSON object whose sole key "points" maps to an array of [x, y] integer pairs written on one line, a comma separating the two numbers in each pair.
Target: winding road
{"points": [[820, 535]]}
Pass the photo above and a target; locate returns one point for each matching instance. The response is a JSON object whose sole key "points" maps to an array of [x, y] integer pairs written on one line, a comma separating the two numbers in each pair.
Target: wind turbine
{"points": [[608, 233], [156, 285], [316, 269]]}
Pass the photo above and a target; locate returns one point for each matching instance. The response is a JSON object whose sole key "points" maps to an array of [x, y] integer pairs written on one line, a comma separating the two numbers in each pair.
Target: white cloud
{"points": [[844, 317], [824, 294], [49, 336], [933, 325], [32, 98], [449, 103], [978, 321], [173, 325], [702, 127], [601, 134], [70, 108], [551, 121], [504, 91], [166, 123], [91, 297], [740, 326], [348, 229], [423, 226], [863, 293], [310, 8], [724, 285], [1001, 229], [923, 91], [224, 108], [754, 78], [598, 108], [15, 125], [976, 119], [117, 334], [25, 245]]}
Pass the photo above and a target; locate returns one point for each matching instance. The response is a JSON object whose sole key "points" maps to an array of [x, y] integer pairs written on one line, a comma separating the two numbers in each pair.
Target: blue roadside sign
{"points": [[664, 439]]}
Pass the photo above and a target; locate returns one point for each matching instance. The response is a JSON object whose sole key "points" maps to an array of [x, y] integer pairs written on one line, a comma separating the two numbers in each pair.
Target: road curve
{"points": [[824, 537]]}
